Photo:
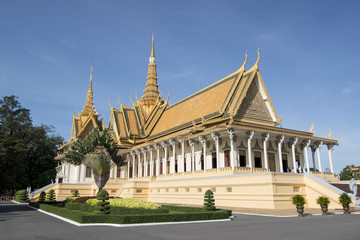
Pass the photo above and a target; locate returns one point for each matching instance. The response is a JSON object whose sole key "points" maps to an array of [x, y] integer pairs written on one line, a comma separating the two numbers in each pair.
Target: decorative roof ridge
{"points": [[256, 65]]}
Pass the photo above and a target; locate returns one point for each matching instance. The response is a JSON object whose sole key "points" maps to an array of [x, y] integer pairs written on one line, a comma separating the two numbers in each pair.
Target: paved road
{"points": [[21, 222]]}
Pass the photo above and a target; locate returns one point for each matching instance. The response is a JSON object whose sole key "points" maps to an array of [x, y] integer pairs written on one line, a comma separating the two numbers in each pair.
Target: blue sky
{"points": [[310, 56]]}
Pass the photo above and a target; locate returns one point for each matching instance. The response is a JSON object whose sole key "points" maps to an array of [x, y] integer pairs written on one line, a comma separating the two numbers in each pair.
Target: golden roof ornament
{"points": [[312, 128], [330, 133], [151, 92], [89, 103]]}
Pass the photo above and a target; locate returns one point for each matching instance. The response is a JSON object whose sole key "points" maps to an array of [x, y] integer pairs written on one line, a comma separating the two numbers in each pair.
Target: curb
{"points": [[124, 225], [288, 216]]}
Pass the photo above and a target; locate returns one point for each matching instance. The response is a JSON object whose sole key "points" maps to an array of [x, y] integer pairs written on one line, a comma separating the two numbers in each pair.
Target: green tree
{"points": [[103, 204], [26, 151], [98, 151], [101, 165], [50, 196], [209, 201], [347, 174]]}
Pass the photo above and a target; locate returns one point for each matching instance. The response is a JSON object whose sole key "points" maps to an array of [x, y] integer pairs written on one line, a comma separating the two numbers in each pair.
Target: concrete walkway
{"points": [[18, 222]]}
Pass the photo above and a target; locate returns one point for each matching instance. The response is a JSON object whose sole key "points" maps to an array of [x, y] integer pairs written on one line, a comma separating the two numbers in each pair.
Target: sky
{"points": [[310, 57]]}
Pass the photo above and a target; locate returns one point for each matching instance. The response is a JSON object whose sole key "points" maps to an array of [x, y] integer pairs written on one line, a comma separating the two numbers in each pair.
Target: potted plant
{"points": [[345, 200], [324, 203], [299, 202]]}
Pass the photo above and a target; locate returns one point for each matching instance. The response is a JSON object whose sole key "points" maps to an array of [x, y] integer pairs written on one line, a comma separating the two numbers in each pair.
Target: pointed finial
{"points": [[242, 68], [152, 55], [121, 105], [312, 127], [281, 118], [91, 73], [330, 133], [110, 104], [258, 59]]}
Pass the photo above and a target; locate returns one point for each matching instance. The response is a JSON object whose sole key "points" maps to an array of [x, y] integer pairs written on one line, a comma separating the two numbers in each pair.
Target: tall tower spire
{"points": [[151, 92], [89, 103]]}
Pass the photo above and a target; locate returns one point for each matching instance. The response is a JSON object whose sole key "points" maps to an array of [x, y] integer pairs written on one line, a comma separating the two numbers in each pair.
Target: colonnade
{"points": [[160, 162]]}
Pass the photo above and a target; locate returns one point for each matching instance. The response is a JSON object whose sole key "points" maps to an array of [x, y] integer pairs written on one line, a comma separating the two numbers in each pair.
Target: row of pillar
{"points": [[143, 164]]}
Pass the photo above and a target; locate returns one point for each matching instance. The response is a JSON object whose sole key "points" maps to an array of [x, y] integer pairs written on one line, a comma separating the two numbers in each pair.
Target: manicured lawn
{"points": [[84, 213]]}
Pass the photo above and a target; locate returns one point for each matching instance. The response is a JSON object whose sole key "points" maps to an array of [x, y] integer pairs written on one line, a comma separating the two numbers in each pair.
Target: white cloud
{"points": [[346, 90]]}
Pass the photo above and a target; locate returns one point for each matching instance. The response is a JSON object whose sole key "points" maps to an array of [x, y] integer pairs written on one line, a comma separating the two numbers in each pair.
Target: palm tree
{"points": [[101, 165]]}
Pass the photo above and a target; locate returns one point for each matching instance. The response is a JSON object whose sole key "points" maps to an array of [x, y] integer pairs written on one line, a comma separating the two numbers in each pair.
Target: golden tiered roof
{"points": [[88, 118], [241, 97], [239, 100]]}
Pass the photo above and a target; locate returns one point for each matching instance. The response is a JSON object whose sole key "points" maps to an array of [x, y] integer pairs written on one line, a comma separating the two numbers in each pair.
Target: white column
{"points": [[163, 144], [330, 149], [143, 150], [202, 139], [215, 136], [181, 163], [280, 140], [157, 148], [172, 163], [78, 173], [83, 172], [68, 172], [115, 172], [231, 136], [306, 154], [293, 145], [266, 137], [139, 163], [188, 162], [191, 144], [133, 165], [318, 148], [313, 150], [250, 136], [128, 166], [151, 161], [112, 173]]}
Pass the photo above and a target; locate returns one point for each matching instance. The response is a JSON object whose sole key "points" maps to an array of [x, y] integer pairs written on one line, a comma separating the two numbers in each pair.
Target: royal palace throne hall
{"points": [[225, 137]]}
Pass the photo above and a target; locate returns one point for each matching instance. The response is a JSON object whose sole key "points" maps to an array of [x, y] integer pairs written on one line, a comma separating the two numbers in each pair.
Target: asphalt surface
{"points": [[21, 222]]}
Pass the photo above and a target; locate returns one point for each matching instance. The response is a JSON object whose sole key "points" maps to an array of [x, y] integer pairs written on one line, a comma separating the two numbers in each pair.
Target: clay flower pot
{"points": [[346, 209], [300, 210], [324, 209]]}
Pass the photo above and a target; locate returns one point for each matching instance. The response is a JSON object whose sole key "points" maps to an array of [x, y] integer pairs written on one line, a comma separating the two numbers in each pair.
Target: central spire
{"points": [[151, 92], [89, 103]]}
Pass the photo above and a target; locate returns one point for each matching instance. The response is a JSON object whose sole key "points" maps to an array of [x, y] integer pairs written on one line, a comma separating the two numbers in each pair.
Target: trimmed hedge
{"points": [[115, 210], [191, 209], [21, 196], [84, 199], [151, 218], [80, 206], [137, 211], [85, 217]]}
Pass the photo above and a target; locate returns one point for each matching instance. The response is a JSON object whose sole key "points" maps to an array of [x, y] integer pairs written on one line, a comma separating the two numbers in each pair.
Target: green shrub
{"points": [[209, 201], [21, 196], [103, 204], [34, 204], [323, 201], [128, 203], [182, 209], [51, 196], [84, 199], [71, 199], [42, 196], [75, 193], [345, 199], [136, 211], [80, 206], [84, 217], [298, 200]]}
